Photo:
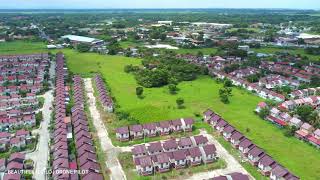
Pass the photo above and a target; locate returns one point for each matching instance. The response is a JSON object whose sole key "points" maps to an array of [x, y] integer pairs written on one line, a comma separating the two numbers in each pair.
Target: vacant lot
{"points": [[22, 47], [200, 94], [158, 104]]}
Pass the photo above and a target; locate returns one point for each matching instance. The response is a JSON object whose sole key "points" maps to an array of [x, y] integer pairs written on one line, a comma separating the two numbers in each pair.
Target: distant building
{"points": [[82, 39]]}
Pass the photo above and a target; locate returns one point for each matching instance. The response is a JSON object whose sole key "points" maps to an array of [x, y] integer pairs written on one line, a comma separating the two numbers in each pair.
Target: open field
{"points": [[200, 94], [22, 47], [272, 50]]}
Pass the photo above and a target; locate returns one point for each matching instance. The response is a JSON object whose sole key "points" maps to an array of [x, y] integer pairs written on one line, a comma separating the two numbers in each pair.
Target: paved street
{"points": [[111, 152], [41, 154]]}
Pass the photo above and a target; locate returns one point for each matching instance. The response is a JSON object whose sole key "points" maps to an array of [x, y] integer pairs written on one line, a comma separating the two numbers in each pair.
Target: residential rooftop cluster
{"points": [[15, 163], [154, 129], [21, 79], [17, 140], [173, 153], [282, 118], [249, 151]]}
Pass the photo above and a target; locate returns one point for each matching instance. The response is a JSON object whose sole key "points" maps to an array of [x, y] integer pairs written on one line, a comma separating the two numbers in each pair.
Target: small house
{"points": [[136, 131], [245, 145], [170, 145], [122, 133]]}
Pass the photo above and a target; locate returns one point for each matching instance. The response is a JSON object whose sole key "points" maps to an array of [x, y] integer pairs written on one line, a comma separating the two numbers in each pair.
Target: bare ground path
{"points": [[112, 161]]}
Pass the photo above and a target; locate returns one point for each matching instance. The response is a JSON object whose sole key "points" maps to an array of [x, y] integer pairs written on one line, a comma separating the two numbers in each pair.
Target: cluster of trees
{"points": [[312, 51], [226, 91], [164, 71], [308, 114], [83, 47]]}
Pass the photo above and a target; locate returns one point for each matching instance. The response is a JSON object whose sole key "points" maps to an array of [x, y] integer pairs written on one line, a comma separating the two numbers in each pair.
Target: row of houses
{"points": [[17, 102], [154, 129], [290, 105], [104, 97], [14, 163], [253, 153], [59, 145], [260, 91], [15, 90], [173, 153], [17, 140], [86, 154], [15, 119], [305, 132], [285, 68], [303, 93], [275, 80]]}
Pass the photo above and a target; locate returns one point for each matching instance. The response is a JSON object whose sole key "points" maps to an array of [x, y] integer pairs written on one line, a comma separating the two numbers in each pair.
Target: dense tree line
{"points": [[164, 71]]}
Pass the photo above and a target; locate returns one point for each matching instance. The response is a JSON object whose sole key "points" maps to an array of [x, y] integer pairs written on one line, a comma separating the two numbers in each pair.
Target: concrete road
{"points": [[112, 161], [41, 154]]}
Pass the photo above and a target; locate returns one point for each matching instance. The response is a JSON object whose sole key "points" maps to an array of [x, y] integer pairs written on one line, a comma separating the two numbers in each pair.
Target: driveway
{"points": [[111, 152]]}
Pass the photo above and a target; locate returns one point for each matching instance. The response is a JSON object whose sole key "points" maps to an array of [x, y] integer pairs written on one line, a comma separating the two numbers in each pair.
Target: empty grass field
{"points": [[200, 94], [22, 47]]}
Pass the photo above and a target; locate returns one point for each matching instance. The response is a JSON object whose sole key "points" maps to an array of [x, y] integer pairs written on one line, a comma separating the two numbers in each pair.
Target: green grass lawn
{"points": [[22, 47], [205, 51], [273, 50], [199, 95]]}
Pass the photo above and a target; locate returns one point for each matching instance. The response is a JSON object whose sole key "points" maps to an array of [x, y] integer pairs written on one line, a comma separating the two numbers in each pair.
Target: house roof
{"points": [[156, 146], [179, 155], [236, 135], [200, 139], [139, 149], [256, 152], [92, 175], [245, 143], [12, 177], [144, 161], [208, 112], [162, 158], [176, 122], [17, 156], [238, 176], [228, 129], [188, 121], [150, 126], [136, 128], [123, 130], [194, 152], [279, 171], [185, 141], [165, 124], [170, 144], [266, 160], [209, 149]]}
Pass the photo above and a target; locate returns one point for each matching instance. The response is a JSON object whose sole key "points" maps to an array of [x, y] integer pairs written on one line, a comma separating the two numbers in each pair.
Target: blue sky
{"points": [[85, 4]]}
